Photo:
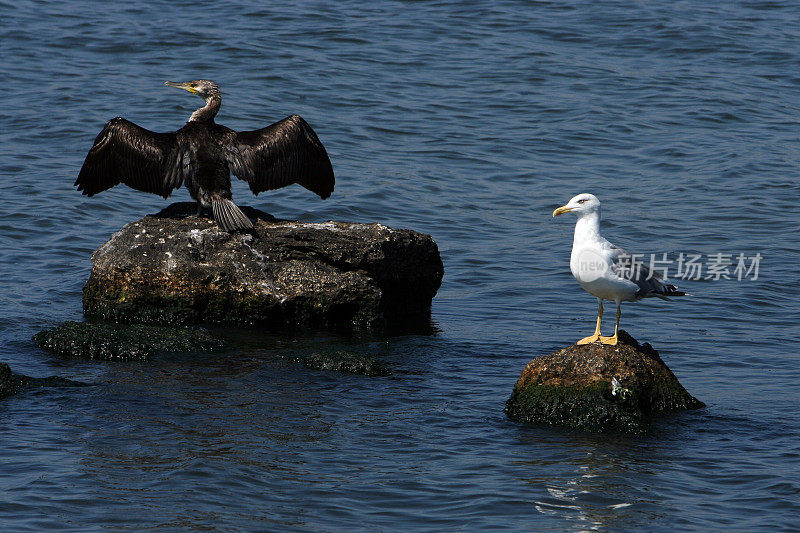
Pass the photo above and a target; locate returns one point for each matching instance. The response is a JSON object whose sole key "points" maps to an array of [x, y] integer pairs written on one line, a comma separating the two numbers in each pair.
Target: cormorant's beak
{"points": [[561, 210], [185, 86]]}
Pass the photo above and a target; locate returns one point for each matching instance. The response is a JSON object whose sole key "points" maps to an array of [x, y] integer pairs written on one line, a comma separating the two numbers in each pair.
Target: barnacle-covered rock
{"points": [[176, 268]]}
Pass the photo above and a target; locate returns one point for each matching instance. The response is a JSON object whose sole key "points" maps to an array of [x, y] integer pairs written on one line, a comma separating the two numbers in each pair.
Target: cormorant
{"points": [[202, 155]]}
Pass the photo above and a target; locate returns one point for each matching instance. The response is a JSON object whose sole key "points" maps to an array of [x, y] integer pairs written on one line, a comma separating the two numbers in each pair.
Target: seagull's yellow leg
{"points": [[596, 336], [612, 341]]}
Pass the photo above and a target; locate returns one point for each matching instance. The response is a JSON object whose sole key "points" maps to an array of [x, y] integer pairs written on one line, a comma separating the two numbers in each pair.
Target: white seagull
{"points": [[607, 271]]}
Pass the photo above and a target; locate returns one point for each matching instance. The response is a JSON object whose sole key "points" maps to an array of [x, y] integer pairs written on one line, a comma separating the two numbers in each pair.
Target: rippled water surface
{"points": [[470, 121]]}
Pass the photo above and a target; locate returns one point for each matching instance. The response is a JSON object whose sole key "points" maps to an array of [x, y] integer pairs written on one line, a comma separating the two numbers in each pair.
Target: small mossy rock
{"points": [[176, 268], [107, 342], [598, 388], [347, 362], [11, 383]]}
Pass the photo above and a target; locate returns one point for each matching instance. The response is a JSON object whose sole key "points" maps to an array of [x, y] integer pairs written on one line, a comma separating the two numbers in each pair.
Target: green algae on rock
{"points": [[175, 268], [107, 342], [598, 388]]}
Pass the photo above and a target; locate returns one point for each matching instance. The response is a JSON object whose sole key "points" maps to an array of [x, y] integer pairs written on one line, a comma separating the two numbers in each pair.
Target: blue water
{"points": [[467, 120]]}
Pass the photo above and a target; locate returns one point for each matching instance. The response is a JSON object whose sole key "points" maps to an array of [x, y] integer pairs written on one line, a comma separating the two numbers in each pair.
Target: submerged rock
{"points": [[11, 383], [347, 362], [598, 388], [8, 385], [110, 341], [175, 268]]}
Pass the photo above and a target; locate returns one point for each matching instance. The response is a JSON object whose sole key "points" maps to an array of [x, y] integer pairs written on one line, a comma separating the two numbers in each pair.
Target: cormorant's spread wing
{"points": [[281, 154], [126, 153]]}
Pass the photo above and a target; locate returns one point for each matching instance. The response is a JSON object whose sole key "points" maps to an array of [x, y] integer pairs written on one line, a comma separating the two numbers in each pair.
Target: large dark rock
{"points": [[598, 388], [176, 268], [110, 341], [11, 383]]}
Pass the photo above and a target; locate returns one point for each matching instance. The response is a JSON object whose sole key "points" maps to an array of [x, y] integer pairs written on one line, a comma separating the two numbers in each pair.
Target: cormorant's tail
{"points": [[228, 215]]}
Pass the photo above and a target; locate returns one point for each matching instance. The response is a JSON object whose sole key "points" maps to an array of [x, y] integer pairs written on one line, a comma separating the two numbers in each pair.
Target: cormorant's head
{"points": [[202, 88]]}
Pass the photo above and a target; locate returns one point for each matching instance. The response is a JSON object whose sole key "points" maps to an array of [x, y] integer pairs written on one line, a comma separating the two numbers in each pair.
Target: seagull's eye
{"points": [[581, 201]]}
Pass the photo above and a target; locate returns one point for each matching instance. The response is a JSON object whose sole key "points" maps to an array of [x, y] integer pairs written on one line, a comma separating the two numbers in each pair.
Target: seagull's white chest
{"points": [[592, 269], [588, 264], [592, 266]]}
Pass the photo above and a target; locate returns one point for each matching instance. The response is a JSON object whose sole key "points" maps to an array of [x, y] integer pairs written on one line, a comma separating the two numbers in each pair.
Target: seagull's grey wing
{"points": [[126, 153], [281, 154], [626, 266]]}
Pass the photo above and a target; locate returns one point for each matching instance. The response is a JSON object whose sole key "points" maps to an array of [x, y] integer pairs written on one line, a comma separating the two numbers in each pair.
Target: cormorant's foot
{"points": [[611, 341], [589, 340]]}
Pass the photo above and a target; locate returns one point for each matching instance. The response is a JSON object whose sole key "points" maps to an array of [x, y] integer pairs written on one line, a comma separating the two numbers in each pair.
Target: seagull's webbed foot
{"points": [[611, 341], [593, 338], [596, 336]]}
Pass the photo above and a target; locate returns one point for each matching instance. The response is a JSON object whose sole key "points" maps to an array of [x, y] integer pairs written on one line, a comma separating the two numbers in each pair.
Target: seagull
{"points": [[606, 271]]}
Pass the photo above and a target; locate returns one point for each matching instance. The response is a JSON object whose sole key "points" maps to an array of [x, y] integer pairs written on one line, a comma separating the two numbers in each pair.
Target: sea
{"points": [[467, 120]]}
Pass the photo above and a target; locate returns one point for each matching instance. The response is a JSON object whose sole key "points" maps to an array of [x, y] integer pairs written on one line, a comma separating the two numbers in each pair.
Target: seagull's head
{"points": [[202, 88], [582, 204]]}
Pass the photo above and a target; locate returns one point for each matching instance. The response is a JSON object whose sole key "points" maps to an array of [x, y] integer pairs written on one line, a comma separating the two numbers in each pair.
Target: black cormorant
{"points": [[203, 154]]}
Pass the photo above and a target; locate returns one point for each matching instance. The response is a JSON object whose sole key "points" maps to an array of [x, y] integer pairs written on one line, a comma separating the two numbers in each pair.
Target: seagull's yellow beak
{"points": [[186, 86], [561, 210]]}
